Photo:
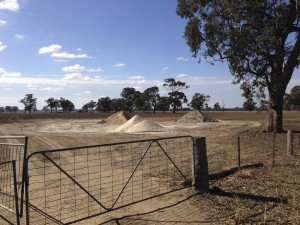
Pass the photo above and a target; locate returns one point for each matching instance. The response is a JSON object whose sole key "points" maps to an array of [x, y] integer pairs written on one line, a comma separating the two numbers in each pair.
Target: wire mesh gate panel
{"points": [[69, 185], [8, 188], [12, 158]]}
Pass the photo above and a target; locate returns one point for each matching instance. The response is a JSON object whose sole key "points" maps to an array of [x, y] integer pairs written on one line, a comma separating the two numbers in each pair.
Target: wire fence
{"points": [[8, 188], [251, 147], [14, 151], [70, 185]]}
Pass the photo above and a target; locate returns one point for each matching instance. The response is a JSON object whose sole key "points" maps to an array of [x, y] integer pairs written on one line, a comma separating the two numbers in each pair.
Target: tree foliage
{"points": [[176, 96], [199, 100], [249, 105], [259, 40], [66, 105], [118, 104], [130, 95], [217, 106], [164, 103], [104, 104], [29, 102], [292, 100], [52, 103]]}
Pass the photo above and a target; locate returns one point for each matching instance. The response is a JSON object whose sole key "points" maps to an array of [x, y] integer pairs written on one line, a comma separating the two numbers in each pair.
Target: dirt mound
{"points": [[146, 126], [137, 125], [118, 118], [195, 117], [129, 124]]}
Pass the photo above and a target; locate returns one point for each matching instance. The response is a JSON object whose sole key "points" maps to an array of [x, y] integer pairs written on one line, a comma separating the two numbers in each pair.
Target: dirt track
{"points": [[58, 132]]}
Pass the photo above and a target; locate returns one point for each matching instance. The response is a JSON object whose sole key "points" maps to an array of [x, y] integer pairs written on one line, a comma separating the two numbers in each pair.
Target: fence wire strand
{"points": [[70, 185]]}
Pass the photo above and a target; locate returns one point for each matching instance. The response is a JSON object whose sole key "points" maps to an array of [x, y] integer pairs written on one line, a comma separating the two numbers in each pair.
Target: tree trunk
{"points": [[174, 109], [273, 121]]}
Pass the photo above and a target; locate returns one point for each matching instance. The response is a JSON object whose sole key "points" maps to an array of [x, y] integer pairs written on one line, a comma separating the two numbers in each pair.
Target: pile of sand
{"points": [[129, 124], [118, 118], [137, 125], [195, 117], [146, 126]]}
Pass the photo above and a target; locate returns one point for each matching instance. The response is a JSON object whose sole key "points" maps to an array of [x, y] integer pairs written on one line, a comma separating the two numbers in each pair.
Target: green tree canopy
{"points": [[176, 96], [287, 102], [104, 104], [130, 94], [249, 105], [118, 104], [163, 103], [151, 97], [29, 102], [66, 105], [198, 101], [52, 103], [217, 106], [259, 39]]}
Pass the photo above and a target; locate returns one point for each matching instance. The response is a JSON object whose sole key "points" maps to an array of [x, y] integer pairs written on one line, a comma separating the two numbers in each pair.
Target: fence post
{"points": [[290, 150], [239, 152], [200, 179]]}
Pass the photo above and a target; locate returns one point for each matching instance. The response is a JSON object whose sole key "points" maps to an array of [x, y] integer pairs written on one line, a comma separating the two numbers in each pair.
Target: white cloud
{"points": [[95, 70], [79, 49], [2, 46], [2, 70], [2, 22], [15, 74], [182, 59], [135, 77], [31, 86], [72, 76], [119, 65], [60, 60], [49, 49], [87, 92], [86, 78], [11, 5], [66, 55], [165, 68], [182, 75], [19, 36], [75, 68], [51, 89]]}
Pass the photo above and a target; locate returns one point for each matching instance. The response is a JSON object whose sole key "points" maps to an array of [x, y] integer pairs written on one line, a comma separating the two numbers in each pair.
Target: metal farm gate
{"points": [[12, 158], [65, 186]]}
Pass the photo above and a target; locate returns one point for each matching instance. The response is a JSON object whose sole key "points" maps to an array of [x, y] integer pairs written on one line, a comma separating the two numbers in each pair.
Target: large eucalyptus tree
{"points": [[259, 39]]}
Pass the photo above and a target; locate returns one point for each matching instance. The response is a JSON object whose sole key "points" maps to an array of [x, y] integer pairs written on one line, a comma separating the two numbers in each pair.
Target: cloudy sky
{"points": [[86, 49]]}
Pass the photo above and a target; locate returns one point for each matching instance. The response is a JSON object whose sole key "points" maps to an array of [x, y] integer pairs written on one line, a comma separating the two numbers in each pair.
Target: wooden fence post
{"points": [[290, 150], [200, 179]]}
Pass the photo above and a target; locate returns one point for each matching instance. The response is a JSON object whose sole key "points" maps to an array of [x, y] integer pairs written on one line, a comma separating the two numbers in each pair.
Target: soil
{"points": [[264, 195]]}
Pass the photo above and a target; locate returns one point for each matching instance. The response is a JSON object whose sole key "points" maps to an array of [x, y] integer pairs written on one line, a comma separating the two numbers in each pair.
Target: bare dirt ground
{"points": [[264, 195]]}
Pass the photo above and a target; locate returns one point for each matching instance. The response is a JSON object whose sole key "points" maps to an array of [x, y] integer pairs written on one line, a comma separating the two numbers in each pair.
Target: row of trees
{"points": [[130, 100], [149, 99], [9, 109], [290, 102]]}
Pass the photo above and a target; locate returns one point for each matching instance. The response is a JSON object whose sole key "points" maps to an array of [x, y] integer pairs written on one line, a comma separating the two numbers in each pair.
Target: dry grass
{"points": [[266, 195]]}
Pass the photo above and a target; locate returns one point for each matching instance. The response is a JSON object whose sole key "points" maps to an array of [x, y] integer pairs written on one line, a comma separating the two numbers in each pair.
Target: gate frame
{"points": [[23, 167], [13, 162], [152, 140]]}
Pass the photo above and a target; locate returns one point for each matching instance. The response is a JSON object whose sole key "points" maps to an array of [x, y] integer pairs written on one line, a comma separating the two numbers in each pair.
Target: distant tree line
{"points": [[150, 100]]}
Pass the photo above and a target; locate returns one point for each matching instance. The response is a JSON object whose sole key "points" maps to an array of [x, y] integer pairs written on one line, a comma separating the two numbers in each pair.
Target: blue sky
{"points": [[86, 49]]}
